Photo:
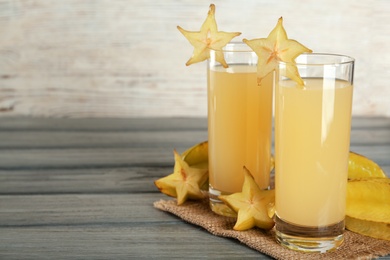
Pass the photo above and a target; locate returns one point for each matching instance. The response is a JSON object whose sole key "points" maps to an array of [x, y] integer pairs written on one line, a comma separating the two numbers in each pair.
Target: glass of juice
{"points": [[239, 123], [312, 138]]}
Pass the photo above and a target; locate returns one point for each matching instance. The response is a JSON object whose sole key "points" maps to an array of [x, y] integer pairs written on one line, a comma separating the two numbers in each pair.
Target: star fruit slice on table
{"points": [[277, 47], [208, 38], [251, 204], [185, 181]]}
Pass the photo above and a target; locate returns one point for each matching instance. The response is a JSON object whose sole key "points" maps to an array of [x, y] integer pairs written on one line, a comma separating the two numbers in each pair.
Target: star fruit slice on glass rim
{"points": [[208, 38], [277, 47]]}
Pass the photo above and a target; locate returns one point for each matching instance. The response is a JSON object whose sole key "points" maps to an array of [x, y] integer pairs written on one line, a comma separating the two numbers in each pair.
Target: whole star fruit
{"points": [[379, 230], [185, 181], [360, 166], [369, 199], [251, 205], [368, 207], [197, 156], [208, 38], [277, 47]]}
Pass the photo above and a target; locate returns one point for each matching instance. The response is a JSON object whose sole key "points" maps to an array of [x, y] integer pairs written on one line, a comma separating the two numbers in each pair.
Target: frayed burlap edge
{"points": [[355, 246]]}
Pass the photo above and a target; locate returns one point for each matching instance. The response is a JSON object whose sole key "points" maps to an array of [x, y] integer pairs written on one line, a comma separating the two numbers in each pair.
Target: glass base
{"points": [[309, 239], [217, 206]]}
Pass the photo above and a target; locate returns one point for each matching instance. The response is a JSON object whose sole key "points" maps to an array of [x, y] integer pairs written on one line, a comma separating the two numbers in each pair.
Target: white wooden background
{"points": [[125, 58]]}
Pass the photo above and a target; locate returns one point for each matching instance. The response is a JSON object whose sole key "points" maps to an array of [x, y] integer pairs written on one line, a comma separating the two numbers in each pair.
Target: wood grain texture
{"points": [[103, 227], [91, 207], [83, 188], [125, 58]]}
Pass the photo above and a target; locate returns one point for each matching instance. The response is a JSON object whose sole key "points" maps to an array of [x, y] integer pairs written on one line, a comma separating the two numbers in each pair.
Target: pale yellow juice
{"points": [[312, 146], [240, 125]]}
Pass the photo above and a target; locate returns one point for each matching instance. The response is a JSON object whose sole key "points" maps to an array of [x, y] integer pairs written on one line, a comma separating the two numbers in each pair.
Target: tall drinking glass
{"points": [[312, 138], [239, 123]]}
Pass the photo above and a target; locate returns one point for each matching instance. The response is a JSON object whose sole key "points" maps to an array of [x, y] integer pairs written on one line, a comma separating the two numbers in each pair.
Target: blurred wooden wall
{"points": [[125, 58]]}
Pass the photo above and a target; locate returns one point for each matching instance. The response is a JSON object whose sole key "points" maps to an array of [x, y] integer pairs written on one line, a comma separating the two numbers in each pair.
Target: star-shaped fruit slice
{"points": [[277, 47], [208, 38], [185, 181], [251, 204]]}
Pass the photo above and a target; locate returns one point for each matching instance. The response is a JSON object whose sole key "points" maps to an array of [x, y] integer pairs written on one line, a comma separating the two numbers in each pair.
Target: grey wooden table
{"points": [[83, 188]]}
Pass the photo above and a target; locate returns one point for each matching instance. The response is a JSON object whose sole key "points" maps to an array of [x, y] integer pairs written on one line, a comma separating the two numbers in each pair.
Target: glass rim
{"points": [[240, 47], [339, 59]]}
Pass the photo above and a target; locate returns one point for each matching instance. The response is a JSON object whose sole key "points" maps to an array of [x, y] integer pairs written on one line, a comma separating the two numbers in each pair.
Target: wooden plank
{"points": [[107, 139], [117, 180], [120, 157], [82, 181], [371, 122], [100, 227], [369, 136], [102, 124], [84, 158], [151, 241], [140, 124], [80, 209], [132, 139]]}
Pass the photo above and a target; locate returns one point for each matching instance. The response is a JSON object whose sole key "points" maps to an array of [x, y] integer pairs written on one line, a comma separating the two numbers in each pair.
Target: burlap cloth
{"points": [[355, 246]]}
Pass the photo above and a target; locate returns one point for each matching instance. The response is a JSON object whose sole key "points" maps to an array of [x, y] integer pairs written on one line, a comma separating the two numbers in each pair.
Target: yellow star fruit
{"points": [[375, 229], [208, 38], [277, 47], [360, 166], [185, 181], [368, 207], [251, 204], [197, 154], [369, 199]]}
